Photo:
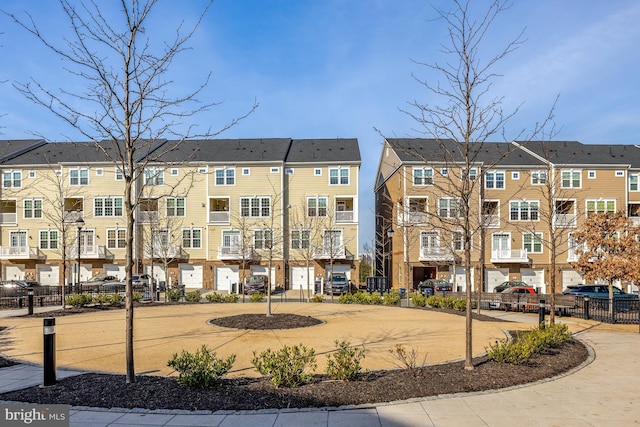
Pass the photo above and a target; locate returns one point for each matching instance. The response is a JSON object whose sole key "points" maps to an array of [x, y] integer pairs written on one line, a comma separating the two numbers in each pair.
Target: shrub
{"points": [[174, 295], [391, 298], [460, 304], [137, 296], [526, 344], [418, 300], [100, 299], [200, 369], [361, 298], [79, 300], [375, 299], [344, 364], [231, 298], [257, 297], [346, 298], [115, 299], [407, 359], [505, 351], [317, 298], [193, 296], [290, 366], [214, 297]]}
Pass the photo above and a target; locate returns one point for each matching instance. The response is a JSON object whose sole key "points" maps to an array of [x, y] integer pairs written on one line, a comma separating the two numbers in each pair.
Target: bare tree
{"points": [[126, 98], [305, 236]]}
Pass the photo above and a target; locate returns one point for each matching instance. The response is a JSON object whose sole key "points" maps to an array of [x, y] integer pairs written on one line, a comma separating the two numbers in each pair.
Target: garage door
{"points": [[571, 277], [191, 275], [459, 280], [48, 274], [340, 268], [299, 277], [495, 276], [263, 269], [534, 277], [157, 273], [225, 276], [115, 270], [13, 272]]}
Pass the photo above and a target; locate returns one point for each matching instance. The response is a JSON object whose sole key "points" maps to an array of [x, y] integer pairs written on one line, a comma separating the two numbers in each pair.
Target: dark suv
{"points": [[256, 283], [338, 285], [504, 285], [598, 291]]}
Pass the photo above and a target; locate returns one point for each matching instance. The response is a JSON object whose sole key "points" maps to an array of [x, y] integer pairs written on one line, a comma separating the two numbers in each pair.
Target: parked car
{"points": [[15, 287], [598, 291], [113, 288], [519, 290], [100, 280], [429, 286], [256, 283], [511, 284], [142, 279], [338, 285]]}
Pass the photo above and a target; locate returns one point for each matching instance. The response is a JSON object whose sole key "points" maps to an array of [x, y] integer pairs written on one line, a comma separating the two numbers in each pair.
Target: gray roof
{"points": [[227, 150], [336, 150], [60, 152], [10, 148], [576, 153]]}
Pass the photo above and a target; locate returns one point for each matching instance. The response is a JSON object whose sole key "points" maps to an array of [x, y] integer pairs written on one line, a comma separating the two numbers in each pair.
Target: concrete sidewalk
{"points": [[603, 393]]}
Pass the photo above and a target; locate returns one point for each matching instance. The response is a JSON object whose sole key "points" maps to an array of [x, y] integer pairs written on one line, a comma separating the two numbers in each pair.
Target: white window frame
{"points": [[119, 176], [153, 176], [99, 171], [300, 238], [246, 171], [317, 172], [431, 238], [32, 174], [288, 171], [632, 177], [175, 172], [492, 184], [525, 211], [174, 209], [257, 204], [538, 177], [452, 208], [275, 170], [572, 179], [340, 177], [605, 206], [100, 212], [316, 209], [224, 176], [80, 178], [444, 171], [457, 241], [47, 242], [14, 181], [422, 176], [591, 174], [535, 241], [473, 174], [515, 176], [116, 238], [189, 238], [262, 238], [619, 174], [34, 212]]}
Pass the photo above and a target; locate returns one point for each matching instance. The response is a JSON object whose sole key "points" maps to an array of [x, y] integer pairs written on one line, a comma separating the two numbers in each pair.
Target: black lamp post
{"points": [[389, 258], [80, 224]]}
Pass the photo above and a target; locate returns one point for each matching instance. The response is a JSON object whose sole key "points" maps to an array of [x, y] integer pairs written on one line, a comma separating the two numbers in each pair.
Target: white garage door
{"points": [[48, 274], [570, 277], [340, 268], [13, 272], [534, 277], [495, 276], [299, 277], [263, 269], [460, 280], [158, 273], [115, 270], [191, 275], [225, 276]]}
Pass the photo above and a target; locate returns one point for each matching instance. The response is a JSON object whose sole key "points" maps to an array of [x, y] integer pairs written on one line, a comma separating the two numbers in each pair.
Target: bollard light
{"points": [[49, 332], [30, 300]]}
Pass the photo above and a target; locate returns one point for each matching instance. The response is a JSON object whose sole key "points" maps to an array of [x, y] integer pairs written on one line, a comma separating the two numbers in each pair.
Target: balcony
{"points": [[510, 256], [147, 217], [437, 254], [565, 220], [344, 216], [71, 217], [412, 218], [635, 220], [326, 252], [165, 252], [219, 217], [491, 221], [8, 218], [19, 252], [234, 252], [89, 252]]}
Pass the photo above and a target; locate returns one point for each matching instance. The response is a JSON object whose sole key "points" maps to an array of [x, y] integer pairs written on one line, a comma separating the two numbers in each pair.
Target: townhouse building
{"points": [[525, 201], [209, 213]]}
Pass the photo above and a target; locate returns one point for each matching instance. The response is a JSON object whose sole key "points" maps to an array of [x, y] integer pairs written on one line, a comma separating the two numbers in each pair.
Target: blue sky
{"points": [[340, 68]]}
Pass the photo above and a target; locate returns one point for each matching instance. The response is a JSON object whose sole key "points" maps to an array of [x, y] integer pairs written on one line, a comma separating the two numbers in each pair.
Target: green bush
{"points": [[137, 296], [200, 369], [79, 300], [232, 298], [290, 366], [528, 343], [460, 304], [418, 300], [317, 298], [257, 297], [514, 352], [361, 298], [174, 295], [115, 299], [407, 358], [193, 296], [391, 298], [344, 364], [345, 298], [214, 297], [375, 299], [100, 299]]}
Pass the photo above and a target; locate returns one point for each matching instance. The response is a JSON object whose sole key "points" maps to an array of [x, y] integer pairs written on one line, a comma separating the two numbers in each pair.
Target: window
{"points": [[338, 176], [591, 174], [255, 206], [18, 239], [444, 172], [275, 170], [494, 180], [458, 241], [288, 171], [619, 173], [532, 242], [49, 239], [448, 207], [153, 176], [538, 177], [12, 179], [571, 179], [99, 172], [524, 211], [515, 176], [226, 176], [429, 240], [601, 206], [192, 238], [633, 182], [32, 174], [116, 238], [174, 171], [316, 206], [422, 176], [107, 206], [473, 174], [246, 171], [300, 239], [79, 176], [317, 172], [175, 206], [32, 208], [262, 239], [119, 175]]}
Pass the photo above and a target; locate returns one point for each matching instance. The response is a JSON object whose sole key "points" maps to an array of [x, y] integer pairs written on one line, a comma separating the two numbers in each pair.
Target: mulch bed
{"points": [[153, 392]]}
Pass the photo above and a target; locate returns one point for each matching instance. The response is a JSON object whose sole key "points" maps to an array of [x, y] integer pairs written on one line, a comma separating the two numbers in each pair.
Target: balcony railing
{"points": [[327, 252], [164, 252], [491, 221], [8, 218], [635, 220], [148, 216], [509, 255], [19, 252], [235, 252], [219, 217], [436, 254], [71, 217], [344, 216], [89, 252], [417, 218], [565, 220]]}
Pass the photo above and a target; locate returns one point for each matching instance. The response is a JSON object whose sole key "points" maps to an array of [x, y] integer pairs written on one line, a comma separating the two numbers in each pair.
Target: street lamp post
{"points": [[80, 224], [389, 256]]}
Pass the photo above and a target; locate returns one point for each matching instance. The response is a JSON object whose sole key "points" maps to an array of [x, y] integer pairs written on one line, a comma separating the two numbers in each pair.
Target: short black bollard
{"points": [[541, 310], [586, 301], [30, 300], [49, 332]]}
